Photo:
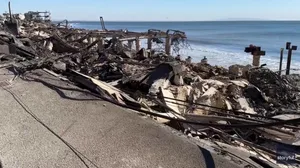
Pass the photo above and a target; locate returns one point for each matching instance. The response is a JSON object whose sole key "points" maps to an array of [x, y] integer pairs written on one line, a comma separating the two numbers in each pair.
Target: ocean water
{"points": [[223, 42]]}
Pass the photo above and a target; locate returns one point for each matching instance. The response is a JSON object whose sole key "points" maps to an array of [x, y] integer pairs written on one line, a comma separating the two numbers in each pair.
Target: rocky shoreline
{"points": [[171, 90]]}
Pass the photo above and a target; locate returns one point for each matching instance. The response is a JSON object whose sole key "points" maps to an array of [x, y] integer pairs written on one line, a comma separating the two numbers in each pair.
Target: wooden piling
{"points": [[137, 44], [168, 45], [149, 43], [101, 44], [289, 59], [90, 40], [130, 42], [256, 60], [280, 62], [256, 53]]}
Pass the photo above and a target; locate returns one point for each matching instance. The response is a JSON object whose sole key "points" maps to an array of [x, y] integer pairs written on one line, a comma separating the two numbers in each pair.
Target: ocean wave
{"points": [[224, 47], [258, 33], [208, 42], [74, 25], [226, 58]]}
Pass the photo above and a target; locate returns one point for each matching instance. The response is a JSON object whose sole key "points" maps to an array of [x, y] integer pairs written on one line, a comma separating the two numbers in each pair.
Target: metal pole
{"points": [[280, 63], [289, 59], [9, 11]]}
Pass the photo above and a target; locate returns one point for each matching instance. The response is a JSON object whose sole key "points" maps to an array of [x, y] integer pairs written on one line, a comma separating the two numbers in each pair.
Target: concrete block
{"points": [[8, 49], [4, 49]]}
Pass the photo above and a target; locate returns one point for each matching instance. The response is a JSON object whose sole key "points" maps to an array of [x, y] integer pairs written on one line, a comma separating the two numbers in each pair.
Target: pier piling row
{"points": [[129, 37]]}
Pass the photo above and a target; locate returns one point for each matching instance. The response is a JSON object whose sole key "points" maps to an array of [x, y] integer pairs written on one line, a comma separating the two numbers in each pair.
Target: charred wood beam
{"points": [[147, 37], [23, 52], [6, 64], [90, 45], [126, 36], [80, 39], [60, 46], [132, 63]]}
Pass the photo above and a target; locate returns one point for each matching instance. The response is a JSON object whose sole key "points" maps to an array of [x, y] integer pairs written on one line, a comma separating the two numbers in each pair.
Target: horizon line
{"points": [[255, 20]]}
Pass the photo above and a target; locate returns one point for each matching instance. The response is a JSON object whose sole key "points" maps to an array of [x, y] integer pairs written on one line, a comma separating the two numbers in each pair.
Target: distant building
{"points": [[6, 16], [38, 16]]}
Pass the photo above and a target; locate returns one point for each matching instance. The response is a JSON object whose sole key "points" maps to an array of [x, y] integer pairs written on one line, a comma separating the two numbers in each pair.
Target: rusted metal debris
{"points": [[191, 95]]}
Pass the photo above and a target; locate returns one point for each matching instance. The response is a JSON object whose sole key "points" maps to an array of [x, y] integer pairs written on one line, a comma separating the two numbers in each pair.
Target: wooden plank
{"points": [[172, 103], [119, 96]]}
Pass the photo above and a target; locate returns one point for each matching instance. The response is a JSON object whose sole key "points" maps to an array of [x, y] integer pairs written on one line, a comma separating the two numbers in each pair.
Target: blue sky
{"points": [[161, 10]]}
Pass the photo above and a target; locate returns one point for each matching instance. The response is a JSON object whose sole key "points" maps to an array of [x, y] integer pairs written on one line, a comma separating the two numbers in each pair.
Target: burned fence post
{"points": [[256, 53], [168, 44], [280, 62], [289, 59]]}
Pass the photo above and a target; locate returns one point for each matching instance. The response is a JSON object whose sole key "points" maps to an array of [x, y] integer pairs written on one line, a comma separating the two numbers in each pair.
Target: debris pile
{"points": [[239, 105]]}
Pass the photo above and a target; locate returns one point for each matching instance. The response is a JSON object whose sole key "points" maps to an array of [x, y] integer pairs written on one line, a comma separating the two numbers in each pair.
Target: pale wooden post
{"points": [[130, 42], [168, 45], [256, 60], [72, 38], [101, 44], [137, 44], [256, 54], [149, 42], [90, 40]]}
